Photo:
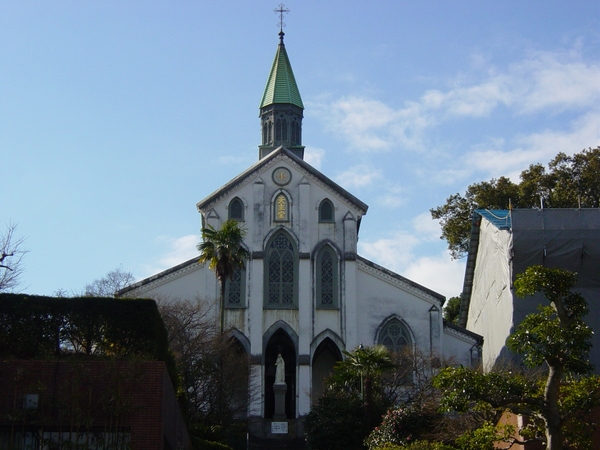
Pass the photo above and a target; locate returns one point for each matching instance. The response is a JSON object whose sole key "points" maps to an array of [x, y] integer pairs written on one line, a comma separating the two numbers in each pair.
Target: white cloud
{"points": [[438, 273], [357, 176], [394, 253], [548, 82], [393, 196], [314, 156], [539, 147], [177, 250], [426, 227], [558, 80]]}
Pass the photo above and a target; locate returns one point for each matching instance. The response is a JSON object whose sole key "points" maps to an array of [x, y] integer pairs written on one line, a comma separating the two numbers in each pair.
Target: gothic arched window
{"points": [[327, 278], [281, 272], [284, 131], [281, 210], [394, 335], [326, 211], [235, 289], [270, 134], [294, 126], [278, 130], [264, 134], [236, 210]]}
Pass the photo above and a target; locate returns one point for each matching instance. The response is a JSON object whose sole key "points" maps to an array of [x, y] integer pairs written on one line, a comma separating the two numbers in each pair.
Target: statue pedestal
{"points": [[279, 389]]}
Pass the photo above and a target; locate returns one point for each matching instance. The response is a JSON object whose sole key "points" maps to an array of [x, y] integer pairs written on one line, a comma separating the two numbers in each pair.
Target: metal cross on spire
{"points": [[281, 10]]}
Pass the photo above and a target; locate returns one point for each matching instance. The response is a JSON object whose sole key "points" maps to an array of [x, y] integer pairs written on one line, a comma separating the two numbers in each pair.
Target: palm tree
{"points": [[224, 252], [368, 364]]}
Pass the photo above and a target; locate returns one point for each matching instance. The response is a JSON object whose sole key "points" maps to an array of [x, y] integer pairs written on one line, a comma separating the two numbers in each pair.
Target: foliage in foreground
{"points": [[417, 445], [336, 422], [400, 426], [557, 339], [353, 402], [213, 371]]}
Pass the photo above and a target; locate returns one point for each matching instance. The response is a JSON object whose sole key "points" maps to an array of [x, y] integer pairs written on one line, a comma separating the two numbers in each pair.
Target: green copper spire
{"points": [[281, 85], [281, 108]]}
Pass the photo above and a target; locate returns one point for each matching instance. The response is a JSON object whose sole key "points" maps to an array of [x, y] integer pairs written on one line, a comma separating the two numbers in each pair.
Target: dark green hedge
{"points": [[38, 327]]}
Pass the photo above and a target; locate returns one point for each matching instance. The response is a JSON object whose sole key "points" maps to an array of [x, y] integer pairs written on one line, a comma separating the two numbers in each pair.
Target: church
{"points": [[305, 294]]}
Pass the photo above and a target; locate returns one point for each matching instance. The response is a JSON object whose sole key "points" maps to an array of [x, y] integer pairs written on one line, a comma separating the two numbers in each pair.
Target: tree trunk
{"points": [[368, 400], [554, 435], [222, 306]]}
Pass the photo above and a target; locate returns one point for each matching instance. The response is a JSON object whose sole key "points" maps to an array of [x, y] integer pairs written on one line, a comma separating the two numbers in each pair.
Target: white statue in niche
{"points": [[280, 370]]}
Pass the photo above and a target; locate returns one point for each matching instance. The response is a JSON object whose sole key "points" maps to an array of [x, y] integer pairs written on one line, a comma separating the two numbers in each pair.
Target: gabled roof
{"points": [[281, 84], [279, 154], [401, 279]]}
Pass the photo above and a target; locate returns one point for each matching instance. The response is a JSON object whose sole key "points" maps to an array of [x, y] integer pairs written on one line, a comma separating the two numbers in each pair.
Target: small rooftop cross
{"points": [[281, 10]]}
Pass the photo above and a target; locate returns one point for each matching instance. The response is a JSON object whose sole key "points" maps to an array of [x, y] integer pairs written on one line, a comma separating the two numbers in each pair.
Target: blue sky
{"points": [[116, 117]]}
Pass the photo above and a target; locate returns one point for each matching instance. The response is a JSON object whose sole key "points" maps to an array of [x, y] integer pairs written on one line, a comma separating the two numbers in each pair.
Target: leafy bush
{"points": [[426, 445], [336, 422], [417, 445], [485, 437], [400, 426]]}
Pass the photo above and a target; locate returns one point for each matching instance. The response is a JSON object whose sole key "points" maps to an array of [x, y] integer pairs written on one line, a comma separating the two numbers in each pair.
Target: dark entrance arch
{"points": [[326, 356], [280, 342]]}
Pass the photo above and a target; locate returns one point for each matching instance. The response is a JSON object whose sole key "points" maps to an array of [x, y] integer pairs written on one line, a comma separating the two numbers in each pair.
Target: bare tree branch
{"points": [[11, 257]]}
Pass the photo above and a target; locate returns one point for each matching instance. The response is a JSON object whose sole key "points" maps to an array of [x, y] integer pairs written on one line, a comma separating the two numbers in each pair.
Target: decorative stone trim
{"points": [[160, 278], [399, 281], [462, 333]]}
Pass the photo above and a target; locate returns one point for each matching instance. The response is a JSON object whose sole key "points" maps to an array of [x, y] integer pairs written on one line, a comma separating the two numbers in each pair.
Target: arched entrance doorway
{"points": [[280, 343], [324, 359]]}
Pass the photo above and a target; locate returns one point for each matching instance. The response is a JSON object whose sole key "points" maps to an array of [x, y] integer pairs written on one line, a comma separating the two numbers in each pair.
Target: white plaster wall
{"points": [[377, 300], [457, 349], [492, 298]]}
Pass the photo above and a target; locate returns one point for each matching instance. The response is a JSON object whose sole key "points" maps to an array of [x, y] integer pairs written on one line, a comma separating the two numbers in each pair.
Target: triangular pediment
{"points": [[255, 174]]}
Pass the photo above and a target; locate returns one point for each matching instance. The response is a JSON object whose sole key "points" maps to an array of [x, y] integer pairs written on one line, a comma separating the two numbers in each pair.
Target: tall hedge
{"points": [[39, 327]]}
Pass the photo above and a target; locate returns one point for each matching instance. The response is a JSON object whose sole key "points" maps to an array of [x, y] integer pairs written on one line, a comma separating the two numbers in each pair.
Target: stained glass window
{"points": [[326, 211], [236, 209], [327, 278], [234, 288], [394, 336], [281, 272]]}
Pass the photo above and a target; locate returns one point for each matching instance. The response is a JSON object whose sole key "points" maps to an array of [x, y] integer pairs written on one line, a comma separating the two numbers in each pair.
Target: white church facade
{"points": [[305, 293]]}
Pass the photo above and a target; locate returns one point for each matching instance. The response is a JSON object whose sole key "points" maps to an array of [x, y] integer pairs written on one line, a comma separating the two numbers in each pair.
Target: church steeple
{"points": [[281, 108]]}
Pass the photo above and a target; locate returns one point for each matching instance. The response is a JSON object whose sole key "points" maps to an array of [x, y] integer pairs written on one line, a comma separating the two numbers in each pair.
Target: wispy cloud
{"points": [[314, 156], [537, 147], [544, 82], [357, 176], [398, 253], [438, 273], [176, 251]]}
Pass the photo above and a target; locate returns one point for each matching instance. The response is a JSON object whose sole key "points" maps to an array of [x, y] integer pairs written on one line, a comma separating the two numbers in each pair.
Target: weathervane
{"points": [[281, 11]]}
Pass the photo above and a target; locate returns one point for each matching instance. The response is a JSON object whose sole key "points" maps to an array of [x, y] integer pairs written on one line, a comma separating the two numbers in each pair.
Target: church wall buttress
{"points": [[258, 222], [350, 235], [304, 217]]}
